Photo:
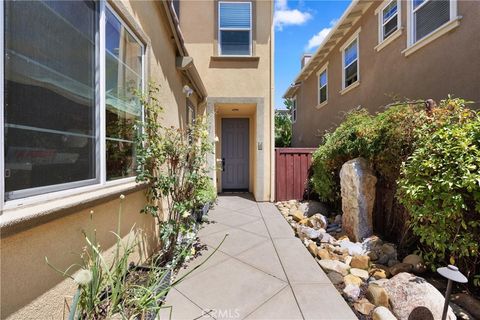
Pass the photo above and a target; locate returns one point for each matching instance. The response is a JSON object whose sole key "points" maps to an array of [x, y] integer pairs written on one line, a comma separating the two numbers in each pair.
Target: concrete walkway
{"points": [[262, 271]]}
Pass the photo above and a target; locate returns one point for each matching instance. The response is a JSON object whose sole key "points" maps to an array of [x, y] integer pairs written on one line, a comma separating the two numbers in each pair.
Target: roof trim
{"points": [[352, 14]]}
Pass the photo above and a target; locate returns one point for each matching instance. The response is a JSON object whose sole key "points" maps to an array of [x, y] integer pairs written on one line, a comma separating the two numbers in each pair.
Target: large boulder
{"points": [[408, 292], [357, 183]]}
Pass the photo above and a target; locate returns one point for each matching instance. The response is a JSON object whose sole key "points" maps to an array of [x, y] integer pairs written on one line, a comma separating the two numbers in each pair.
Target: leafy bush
{"points": [[205, 193], [172, 162], [440, 187], [434, 155], [385, 139], [283, 126]]}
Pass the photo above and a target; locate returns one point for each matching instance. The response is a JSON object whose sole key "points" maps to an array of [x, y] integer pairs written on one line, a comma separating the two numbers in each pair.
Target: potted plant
{"points": [[205, 196]]}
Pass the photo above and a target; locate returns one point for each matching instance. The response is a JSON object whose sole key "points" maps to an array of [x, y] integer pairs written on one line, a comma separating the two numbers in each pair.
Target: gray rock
{"points": [[335, 277], [392, 262], [407, 292], [312, 207], [400, 267], [357, 183], [417, 262]]}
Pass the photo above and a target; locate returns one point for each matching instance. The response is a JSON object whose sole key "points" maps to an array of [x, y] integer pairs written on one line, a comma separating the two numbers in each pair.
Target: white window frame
{"points": [[250, 29], [322, 70], [294, 109], [382, 42], [77, 187], [355, 36], [447, 26]]}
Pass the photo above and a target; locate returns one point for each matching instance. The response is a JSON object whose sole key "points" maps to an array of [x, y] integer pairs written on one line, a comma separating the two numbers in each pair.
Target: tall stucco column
{"points": [[211, 158], [261, 144]]}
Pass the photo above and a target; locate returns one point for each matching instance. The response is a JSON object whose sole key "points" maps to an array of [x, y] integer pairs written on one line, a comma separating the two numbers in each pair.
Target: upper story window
{"points": [[294, 110], [429, 15], [389, 20], [235, 28], [350, 63], [322, 86], [68, 114]]}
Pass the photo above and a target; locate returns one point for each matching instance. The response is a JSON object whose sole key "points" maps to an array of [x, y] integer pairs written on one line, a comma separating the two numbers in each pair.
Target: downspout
{"points": [[272, 111]]}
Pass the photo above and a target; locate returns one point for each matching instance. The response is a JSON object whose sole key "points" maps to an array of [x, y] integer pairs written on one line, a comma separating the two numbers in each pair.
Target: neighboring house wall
{"points": [[447, 65], [236, 82], [52, 227]]}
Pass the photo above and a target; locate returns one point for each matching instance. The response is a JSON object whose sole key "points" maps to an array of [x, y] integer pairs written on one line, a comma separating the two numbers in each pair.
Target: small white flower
{"points": [[185, 214], [122, 196], [216, 139], [83, 277]]}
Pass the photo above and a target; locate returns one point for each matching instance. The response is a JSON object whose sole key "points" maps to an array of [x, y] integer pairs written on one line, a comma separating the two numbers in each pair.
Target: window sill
{"points": [[234, 58], [350, 87], [446, 28], [389, 40], [321, 105], [17, 219]]}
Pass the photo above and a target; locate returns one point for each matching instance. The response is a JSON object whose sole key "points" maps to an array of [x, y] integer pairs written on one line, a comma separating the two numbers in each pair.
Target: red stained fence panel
{"points": [[292, 166]]}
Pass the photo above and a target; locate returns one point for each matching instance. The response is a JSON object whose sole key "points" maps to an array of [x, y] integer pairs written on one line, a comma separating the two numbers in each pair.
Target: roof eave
{"points": [[341, 28]]}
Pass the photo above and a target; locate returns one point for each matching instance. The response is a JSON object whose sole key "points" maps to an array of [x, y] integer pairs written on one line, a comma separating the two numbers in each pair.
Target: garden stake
{"points": [[452, 274]]}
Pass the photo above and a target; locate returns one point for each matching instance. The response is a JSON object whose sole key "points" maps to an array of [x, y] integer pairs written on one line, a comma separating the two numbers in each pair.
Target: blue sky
{"points": [[300, 26]]}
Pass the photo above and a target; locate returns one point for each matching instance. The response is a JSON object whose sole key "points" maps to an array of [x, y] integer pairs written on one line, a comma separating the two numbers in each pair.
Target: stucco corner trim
{"points": [[446, 28], [19, 219], [321, 105], [349, 88], [389, 40]]}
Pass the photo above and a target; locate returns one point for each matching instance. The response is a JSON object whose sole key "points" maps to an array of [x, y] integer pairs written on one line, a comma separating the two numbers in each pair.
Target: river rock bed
{"points": [[369, 274]]}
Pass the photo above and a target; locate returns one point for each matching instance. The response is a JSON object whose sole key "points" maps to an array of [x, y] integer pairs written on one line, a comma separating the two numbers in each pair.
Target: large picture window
{"points": [[49, 95], [52, 111], [235, 28]]}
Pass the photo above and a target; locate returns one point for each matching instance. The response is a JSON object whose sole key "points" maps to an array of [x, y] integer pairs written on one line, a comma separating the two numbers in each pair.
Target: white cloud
{"points": [[318, 38], [285, 16]]}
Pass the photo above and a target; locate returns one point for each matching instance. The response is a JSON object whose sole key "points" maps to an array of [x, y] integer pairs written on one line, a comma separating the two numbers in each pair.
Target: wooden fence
{"points": [[292, 166]]}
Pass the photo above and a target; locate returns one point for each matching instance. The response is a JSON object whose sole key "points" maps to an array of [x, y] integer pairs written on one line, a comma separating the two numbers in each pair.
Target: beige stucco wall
{"points": [[236, 77], [29, 288], [448, 65]]}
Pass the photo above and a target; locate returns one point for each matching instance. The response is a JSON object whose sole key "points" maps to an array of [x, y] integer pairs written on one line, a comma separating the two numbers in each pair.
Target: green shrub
{"points": [[440, 188], [385, 139], [205, 193]]}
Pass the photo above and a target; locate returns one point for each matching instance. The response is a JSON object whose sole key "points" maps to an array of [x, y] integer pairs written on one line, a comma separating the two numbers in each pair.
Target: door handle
{"points": [[223, 164]]}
